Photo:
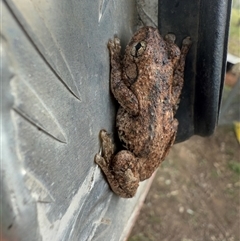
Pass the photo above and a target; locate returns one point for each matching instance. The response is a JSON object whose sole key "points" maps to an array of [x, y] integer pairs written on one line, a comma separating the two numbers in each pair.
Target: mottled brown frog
{"points": [[147, 83]]}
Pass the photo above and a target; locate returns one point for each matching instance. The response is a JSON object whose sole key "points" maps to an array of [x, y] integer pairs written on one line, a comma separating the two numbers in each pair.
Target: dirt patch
{"points": [[195, 195]]}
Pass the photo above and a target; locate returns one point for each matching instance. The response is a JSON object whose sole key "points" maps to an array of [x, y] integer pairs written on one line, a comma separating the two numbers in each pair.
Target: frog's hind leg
{"points": [[178, 77], [104, 157], [121, 170], [126, 174]]}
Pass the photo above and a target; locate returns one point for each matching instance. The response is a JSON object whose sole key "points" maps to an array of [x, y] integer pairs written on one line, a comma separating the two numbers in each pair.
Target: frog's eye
{"points": [[138, 49]]}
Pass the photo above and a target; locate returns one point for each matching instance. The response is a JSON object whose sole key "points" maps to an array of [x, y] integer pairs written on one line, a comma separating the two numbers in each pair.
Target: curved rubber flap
{"points": [[207, 23]]}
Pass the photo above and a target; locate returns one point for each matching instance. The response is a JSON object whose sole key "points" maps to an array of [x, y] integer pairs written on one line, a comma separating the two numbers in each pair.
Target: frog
{"points": [[147, 83]]}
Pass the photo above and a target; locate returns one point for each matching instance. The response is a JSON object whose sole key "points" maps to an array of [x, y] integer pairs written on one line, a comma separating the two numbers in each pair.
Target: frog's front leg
{"points": [[178, 77], [121, 170], [121, 92]]}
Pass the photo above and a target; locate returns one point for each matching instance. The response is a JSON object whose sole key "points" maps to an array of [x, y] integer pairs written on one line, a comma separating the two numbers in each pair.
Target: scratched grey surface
{"points": [[55, 98]]}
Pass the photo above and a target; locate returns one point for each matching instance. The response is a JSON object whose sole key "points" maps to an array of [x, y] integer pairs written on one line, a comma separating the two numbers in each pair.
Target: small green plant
{"points": [[234, 32], [234, 166]]}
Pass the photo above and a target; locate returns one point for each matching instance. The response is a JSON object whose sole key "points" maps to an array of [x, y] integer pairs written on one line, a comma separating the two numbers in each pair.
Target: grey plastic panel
{"points": [[55, 99]]}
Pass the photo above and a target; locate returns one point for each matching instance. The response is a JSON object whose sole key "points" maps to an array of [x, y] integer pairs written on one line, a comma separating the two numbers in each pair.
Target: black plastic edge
{"points": [[211, 64], [207, 23]]}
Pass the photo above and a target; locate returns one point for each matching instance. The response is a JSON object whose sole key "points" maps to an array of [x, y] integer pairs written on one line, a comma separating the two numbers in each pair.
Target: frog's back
{"points": [[147, 134]]}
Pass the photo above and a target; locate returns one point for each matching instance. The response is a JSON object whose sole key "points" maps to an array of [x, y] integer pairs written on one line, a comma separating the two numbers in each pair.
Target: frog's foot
{"points": [[104, 157], [186, 44], [173, 50], [114, 46], [170, 38], [107, 149]]}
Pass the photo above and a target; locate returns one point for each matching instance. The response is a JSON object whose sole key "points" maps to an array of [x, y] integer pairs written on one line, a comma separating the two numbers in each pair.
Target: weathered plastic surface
{"points": [[55, 98]]}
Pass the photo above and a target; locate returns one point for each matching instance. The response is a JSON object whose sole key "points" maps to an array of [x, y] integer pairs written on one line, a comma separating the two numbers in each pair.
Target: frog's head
{"points": [[143, 44], [142, 51]]}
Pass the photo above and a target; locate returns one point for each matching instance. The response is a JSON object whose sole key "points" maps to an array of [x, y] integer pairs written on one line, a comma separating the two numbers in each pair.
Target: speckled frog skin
{"points": [[147, 83]]}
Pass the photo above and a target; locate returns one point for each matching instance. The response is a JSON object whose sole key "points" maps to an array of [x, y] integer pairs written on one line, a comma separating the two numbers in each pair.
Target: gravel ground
{"points": [[195, 195]]}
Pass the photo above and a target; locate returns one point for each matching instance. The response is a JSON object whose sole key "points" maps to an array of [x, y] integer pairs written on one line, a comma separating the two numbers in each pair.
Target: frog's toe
{"points": [[187, 41], [116, 41], [114, 45], [170, 38], [103, 134], [100, 160], [106, 140], [110, 44]]}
